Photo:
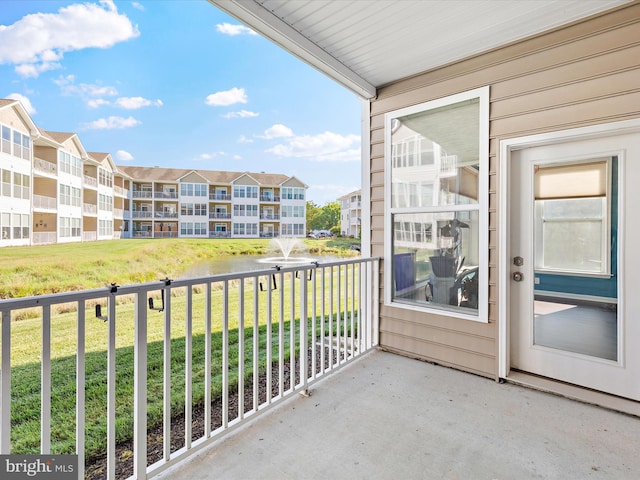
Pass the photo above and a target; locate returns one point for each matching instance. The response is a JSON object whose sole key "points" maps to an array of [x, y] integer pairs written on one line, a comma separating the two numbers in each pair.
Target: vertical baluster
{"points": [[111, 390], [269, 338], [45, 382], [314, 322], [359, 311], [166, 379], [207, 362], [256, 345], [140, 388], [225, 354], [188, 369], [345, 318], [375, 287], [323, 296], [241, 350], [339, 316], [304, 349], [80, 386], [331, 317], [352, 309], [5, 385], [281, 339], [292, 333]]}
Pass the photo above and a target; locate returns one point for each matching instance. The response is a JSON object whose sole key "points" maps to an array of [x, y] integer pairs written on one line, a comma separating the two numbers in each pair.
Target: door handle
{"points": [[517, 276]]}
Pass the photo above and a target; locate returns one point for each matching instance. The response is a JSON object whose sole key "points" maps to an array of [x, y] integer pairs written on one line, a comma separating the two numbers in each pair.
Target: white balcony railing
{"points": [[40, 202], [266, 334], [43, 238]]}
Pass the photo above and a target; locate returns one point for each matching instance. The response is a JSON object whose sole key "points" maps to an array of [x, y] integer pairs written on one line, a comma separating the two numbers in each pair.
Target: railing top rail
{"points": [[116, 290]]}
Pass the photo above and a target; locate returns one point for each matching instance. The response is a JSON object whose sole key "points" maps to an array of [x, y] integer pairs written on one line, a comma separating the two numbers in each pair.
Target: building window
{"points": [[6, 139], [293, 193], [194, 190], [436, 205], [200, 209], [572, 213]]}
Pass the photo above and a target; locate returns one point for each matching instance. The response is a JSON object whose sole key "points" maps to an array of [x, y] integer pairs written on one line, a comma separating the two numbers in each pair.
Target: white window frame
{"points": [[482, 315]]}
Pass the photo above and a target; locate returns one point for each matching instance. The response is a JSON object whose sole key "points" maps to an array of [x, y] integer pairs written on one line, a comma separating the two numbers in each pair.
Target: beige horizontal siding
{"points": [[583, 74]]}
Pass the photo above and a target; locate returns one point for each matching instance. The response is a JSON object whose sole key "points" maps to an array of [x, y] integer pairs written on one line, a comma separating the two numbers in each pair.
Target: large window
{"points": [[436, 176]]}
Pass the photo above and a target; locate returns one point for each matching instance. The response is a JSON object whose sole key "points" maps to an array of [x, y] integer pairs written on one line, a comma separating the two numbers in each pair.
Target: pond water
{"points": [[244, 263]]}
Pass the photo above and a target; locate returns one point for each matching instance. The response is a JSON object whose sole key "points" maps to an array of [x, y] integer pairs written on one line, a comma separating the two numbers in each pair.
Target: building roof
{"points": [[366, 44], [212, 176]]}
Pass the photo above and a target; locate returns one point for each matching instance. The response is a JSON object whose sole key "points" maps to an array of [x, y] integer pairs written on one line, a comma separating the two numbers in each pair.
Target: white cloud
{"points": [[137, 6], [327, 146], [68, 87], [243, 139], [124, 156], [210, 156], [133, 103], [96, 103], [231, 29], [276, 130], [241, 114], [26, 103], [38, 41], [227, 97], [111, 123]]}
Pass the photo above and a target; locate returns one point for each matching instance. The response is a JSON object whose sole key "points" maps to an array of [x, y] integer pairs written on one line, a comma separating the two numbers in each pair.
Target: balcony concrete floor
{"points": [[389, 417]]}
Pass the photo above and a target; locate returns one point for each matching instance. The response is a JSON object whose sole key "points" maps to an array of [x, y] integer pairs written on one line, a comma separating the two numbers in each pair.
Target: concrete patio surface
{"points": [[389, 417]]}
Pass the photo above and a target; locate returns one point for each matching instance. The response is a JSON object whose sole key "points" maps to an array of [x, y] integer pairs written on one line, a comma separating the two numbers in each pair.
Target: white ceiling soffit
{"points": [[364, 44]]}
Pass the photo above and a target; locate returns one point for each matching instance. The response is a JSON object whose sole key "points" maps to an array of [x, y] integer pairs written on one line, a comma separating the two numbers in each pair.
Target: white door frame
{"points": [[506, 147]]}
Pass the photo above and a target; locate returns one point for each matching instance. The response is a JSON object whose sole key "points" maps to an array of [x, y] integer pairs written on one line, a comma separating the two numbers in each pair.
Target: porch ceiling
{"points": [[365, 44]]}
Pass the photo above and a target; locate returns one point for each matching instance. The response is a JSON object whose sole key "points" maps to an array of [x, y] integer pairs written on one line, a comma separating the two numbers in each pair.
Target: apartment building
{"points": [[351, 214], [173, 202], [53, 190]]}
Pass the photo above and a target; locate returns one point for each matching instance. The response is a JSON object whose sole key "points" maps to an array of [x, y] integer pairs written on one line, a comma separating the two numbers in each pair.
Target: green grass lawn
{"points": [[119, 258], [38, 270]]}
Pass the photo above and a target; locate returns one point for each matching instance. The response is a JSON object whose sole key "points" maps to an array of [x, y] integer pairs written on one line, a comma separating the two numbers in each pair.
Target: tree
{"points": [[323, 218], [313, 212]]}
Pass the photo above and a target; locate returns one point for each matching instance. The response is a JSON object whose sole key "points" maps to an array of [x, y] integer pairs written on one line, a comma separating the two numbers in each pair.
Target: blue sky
{"points": [[178, 83]]}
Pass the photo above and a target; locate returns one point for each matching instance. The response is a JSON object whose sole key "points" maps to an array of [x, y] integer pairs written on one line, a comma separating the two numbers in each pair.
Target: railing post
{"points": [[256, 345], [111, 390], [225, 354], [80, 386], [188, 368], [166, 379], [140, 388], [207, 362], [5, 385], [304, 348], [45, 382]]}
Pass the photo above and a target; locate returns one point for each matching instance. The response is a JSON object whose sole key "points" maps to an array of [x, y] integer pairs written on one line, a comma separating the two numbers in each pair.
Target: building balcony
{"points": [[141, 194], [44, 238], [269, 199], [219, 216], [89, 209], [42, 166], [269, 234], [88, 181], [89, 236], [120, 191], [172, 215], [220, 197], [219, 234], [40, 202], [118, 213], [165, 195], [141, 214], [269, 216]]}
